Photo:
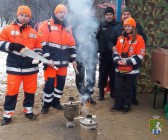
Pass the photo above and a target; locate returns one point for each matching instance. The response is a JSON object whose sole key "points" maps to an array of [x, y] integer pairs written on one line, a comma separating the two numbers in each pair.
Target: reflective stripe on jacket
{"points": [[58, 43], [17, 64]]}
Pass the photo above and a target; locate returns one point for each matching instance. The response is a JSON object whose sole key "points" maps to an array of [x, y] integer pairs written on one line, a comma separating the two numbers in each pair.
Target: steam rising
{"points": [[85, 25]]}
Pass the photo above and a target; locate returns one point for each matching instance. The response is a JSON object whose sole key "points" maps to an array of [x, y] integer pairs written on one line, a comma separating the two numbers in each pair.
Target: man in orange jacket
{"points": [[58, 46], [13, 39]]}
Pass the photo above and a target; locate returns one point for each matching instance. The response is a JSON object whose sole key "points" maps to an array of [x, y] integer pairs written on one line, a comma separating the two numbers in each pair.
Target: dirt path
{"points": [[113, 125]]}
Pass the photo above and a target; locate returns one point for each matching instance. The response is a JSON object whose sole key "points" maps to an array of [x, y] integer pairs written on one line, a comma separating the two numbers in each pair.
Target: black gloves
{"points": [[16, 47]]}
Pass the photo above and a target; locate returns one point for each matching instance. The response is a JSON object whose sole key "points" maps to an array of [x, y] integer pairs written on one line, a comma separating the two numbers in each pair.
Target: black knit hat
{"points": [[127, 9], [109, 10]]}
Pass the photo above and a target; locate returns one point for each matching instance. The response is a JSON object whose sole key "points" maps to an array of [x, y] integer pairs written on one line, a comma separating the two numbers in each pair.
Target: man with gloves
{"points": [[20, 69], [59, 47]]}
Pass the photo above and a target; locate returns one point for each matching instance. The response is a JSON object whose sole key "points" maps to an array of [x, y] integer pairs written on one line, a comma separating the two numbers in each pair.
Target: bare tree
{"points": [[41, 9]]}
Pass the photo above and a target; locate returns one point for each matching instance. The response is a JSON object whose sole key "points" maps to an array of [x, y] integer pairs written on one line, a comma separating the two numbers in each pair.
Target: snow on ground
{"points": [[2, 73], [70, 79]]}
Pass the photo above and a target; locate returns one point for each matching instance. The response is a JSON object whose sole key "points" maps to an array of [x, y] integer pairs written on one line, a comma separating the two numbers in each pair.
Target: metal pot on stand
{"points": [[88, 128], [71, 111]]}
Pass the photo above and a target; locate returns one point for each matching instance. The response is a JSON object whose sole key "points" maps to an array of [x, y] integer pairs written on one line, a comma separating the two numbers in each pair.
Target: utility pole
{"points": [[118, 10]]}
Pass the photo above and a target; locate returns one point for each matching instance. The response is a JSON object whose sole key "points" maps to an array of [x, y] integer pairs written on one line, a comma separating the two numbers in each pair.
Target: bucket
{"points": [[88, 128]]}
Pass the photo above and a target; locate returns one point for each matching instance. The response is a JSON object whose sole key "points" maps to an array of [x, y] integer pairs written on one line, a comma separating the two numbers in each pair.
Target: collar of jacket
{"points": [[127, 36], [18, 22], [21, 26], [57, 21], [110, 23]]}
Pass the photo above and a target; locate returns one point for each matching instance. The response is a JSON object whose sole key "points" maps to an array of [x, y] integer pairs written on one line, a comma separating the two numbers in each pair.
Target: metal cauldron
{"points": [[71, 111], [88, 128]]}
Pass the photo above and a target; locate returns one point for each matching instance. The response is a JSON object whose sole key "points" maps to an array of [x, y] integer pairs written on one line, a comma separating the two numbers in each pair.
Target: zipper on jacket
{"points": [[61, 44]]}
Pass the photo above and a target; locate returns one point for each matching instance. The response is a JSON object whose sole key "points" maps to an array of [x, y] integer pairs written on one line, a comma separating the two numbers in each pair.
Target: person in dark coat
{"points": [[126, 13], [84, 30], [106, 66]]}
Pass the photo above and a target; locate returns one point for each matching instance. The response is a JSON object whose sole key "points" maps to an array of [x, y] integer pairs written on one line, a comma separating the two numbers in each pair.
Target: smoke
{"points": [[84, 98], [85, 25]]}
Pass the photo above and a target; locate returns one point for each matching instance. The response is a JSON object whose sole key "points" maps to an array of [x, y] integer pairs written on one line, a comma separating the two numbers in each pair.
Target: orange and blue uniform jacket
{"points": [[59, 46], [135, 51], [17, 64], [20, 68], [58, 43]]}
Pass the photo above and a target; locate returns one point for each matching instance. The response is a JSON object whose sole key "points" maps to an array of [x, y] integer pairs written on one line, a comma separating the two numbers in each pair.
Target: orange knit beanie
{"points": [[130, 21], [60, 8], [24, 9]]}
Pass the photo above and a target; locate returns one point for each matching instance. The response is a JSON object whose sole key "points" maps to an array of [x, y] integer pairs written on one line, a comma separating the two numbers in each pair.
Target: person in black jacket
{"points": [[106, 66], [126, 13]]}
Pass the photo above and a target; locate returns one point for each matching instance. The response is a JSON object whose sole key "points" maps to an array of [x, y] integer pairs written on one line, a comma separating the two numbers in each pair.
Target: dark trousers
{"points": [[106, 69], [10, 104], [89, 73], [10, 101], [134, 89], [123, 90], [51, 94]]}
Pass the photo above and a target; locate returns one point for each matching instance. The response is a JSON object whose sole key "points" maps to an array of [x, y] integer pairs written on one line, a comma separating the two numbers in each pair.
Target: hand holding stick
{"points": [[76, 70], [75, 67]]}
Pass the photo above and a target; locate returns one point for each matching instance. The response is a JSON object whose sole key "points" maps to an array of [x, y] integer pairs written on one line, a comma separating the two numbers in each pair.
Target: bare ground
{"points": [[111, 125]]}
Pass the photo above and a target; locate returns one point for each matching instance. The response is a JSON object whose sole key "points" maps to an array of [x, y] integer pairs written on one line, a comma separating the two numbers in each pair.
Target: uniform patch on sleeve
{"points": [[104, 29], [54, 28], [15, 33], [32, 36], [121, 40], [40, 34]]}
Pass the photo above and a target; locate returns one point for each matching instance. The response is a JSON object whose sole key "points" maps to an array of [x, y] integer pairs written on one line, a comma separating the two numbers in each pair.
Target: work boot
{"points": [[44, 110], [114, 108], [30, 116], [6, 121], [126, 109], [135, 102], [58, 106], [93, 102], [101, 94]]}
